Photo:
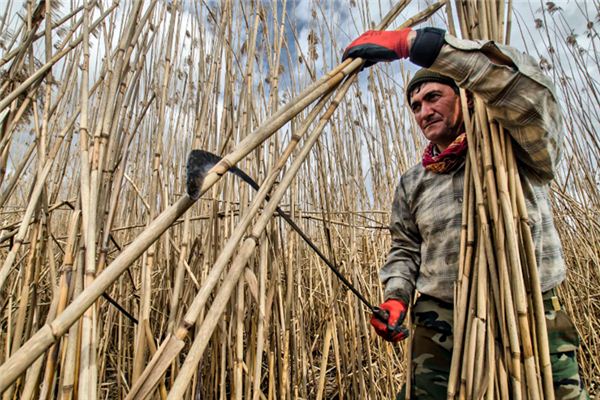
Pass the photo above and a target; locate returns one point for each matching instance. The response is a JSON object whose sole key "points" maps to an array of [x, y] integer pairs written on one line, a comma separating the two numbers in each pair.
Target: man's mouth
{"points": [[427, 125]]}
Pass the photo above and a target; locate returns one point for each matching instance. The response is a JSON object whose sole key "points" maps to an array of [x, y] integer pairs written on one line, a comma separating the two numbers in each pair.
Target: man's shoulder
{"points": [[411, 181], [413, 175]]}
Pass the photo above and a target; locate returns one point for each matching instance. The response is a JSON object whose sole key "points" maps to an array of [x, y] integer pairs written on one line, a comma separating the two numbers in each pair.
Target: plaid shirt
{"points": [[427, 210]]}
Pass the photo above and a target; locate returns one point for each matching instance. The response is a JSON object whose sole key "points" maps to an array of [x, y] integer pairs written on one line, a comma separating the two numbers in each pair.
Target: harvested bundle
{"points": [[500, 341]]}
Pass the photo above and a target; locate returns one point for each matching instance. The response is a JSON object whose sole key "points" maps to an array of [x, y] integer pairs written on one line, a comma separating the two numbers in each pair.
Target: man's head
{"points": [[435, 102]]}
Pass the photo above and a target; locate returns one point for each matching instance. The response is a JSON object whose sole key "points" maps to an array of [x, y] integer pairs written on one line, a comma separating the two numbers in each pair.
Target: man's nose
{"points": [[426, 111]]}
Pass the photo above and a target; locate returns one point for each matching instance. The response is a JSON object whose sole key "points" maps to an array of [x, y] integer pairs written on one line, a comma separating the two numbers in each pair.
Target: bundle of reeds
{"points": [[500, 341]]}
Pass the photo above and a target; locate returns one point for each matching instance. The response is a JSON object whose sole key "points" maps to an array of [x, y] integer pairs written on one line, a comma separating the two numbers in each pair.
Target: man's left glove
{"points": [[376, 46], [387, 320]]}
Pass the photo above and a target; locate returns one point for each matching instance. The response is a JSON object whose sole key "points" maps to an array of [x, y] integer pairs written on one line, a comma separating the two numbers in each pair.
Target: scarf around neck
{"points": [[449, 159]]}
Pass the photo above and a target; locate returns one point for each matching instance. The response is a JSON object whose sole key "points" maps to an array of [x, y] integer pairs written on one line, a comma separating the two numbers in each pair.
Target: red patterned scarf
{"points": [[447, 160]]}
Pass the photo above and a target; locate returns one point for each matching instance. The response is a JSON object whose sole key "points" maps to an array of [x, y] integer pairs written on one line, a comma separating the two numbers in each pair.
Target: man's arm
{"points": [[518, 95], [399, 273]]}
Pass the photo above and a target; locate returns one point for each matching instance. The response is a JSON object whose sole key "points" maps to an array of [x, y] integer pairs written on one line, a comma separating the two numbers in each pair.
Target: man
{"points": [[427, 210]]}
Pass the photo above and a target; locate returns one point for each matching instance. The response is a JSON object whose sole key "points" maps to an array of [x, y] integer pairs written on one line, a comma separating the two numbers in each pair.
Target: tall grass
{"points": [[100, 104]]}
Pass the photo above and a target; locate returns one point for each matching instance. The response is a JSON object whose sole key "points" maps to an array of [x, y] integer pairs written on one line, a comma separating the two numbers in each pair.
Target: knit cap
{"points": [[426, 75]]}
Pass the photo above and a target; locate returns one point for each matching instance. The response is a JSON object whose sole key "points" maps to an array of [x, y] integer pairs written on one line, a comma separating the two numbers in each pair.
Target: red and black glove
{"points": [[376, 46], [387, 320]]}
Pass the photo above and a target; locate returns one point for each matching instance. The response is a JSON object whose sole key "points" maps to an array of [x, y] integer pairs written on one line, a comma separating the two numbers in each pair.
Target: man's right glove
{"points": [[387, 320]]}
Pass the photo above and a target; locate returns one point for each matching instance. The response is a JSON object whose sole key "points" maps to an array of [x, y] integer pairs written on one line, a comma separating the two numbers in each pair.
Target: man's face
{"points": [[438, 112]]}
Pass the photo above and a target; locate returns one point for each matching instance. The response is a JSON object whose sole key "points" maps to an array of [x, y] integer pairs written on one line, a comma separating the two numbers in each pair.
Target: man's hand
{"points": [[376, 46], [390, 329]]}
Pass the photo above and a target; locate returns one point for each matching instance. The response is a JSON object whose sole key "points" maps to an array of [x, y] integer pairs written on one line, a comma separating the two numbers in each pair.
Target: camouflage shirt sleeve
{"points": [[518, 95], [400, 271]]}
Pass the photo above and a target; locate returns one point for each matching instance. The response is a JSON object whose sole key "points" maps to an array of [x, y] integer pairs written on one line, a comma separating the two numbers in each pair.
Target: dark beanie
{"points": [[426, 75]]}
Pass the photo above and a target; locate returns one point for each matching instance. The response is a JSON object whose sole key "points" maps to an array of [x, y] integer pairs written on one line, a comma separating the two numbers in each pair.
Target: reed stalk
{"points": [[104, 274]]}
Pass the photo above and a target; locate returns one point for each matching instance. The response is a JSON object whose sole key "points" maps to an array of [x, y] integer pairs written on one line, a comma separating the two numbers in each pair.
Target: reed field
{"points": [[115, 282]]}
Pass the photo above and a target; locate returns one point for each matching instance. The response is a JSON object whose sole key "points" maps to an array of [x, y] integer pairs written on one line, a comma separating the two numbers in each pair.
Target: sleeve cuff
{"points": [[427, 46], [394, 290]]}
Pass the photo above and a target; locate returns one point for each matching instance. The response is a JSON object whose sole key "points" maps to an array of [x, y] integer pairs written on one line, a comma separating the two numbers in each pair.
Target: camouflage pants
{"points": [[432, 350]]}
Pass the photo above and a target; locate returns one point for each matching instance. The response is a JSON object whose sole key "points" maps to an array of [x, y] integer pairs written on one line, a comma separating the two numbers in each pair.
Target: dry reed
{"points": [[93, 148]]}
